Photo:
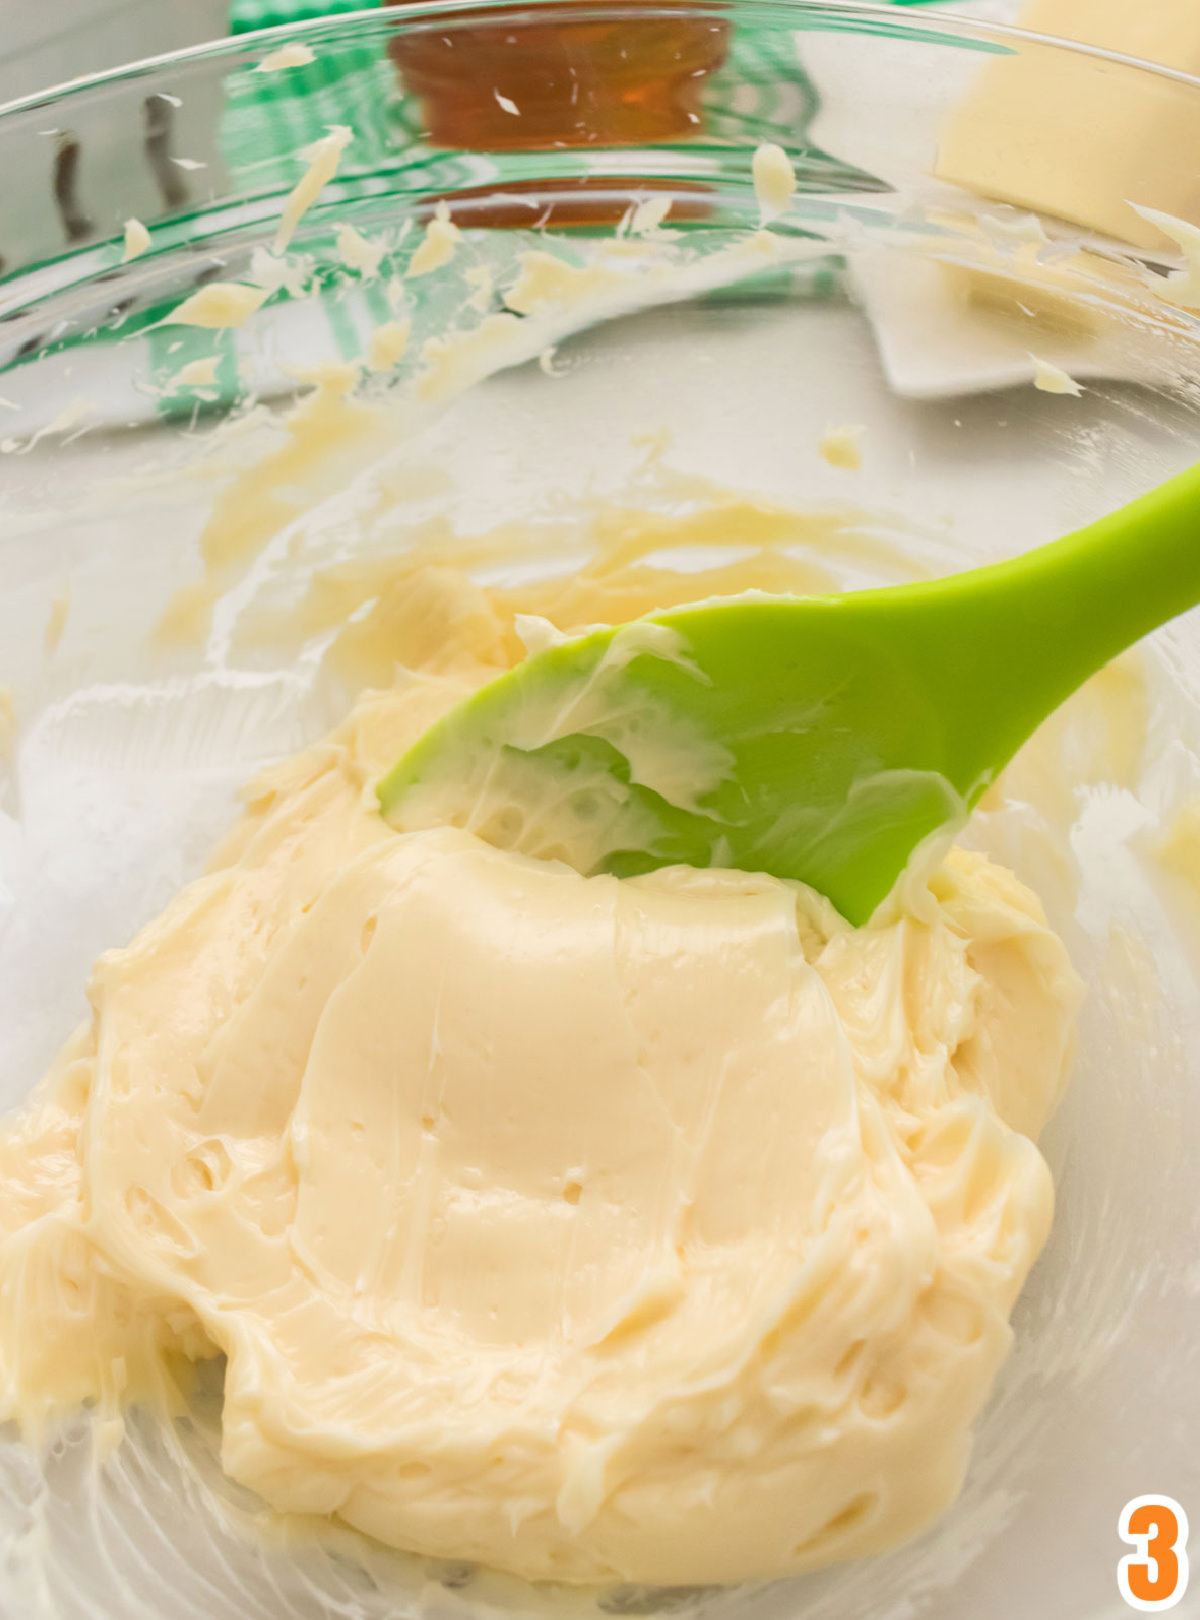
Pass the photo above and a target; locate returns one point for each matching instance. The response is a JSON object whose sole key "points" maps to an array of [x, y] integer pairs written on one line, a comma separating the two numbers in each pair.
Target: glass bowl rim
{"points": [[901, 22]]}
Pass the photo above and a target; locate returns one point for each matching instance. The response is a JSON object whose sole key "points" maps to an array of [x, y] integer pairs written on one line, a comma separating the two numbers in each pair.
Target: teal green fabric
{"points": [[245, 16], [270, 117]]}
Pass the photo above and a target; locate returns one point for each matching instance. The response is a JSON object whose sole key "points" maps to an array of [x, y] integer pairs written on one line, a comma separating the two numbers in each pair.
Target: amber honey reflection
{"points": [[565, 81]]}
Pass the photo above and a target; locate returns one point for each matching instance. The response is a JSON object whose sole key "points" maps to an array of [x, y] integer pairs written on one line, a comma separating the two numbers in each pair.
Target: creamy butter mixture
{"points": [[664, 1230]]}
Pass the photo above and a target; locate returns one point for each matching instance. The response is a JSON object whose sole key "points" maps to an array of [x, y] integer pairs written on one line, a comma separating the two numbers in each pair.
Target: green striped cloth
{"points": [[269, 117], [246, 16]]}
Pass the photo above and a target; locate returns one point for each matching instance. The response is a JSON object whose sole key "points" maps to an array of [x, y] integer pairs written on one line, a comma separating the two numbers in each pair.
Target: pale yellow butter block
{"points": [[1081, 136]]}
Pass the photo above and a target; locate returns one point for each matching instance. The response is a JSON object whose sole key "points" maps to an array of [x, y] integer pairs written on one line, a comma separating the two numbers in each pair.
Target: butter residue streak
{"points": [[549, 282], [292, 55], [322, 157], [1181, 287], [565, 296], [536, 633], [287, 272], [1017, 227], [439, 244], [56, 621], [480, 277], [9, 727], [662, 1230], [842, 447], [323, 434], [137, 240], [197, 373], [73, 418], [384, 611], [1178, 850], [452, 364], [1052, 379], [388, 344], [219, 305], [358, 253], [649, 215], [774, 180]]}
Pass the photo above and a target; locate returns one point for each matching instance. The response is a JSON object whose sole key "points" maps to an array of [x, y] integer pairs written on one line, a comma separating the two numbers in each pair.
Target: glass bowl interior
{"points": [[610, 348]]}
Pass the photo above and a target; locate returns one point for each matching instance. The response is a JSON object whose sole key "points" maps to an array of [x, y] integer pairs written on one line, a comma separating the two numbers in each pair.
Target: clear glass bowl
{"points": [[711, 362]]}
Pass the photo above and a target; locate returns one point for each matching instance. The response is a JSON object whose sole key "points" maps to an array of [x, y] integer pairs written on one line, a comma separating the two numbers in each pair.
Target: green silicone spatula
{"points": [[820, 738]]}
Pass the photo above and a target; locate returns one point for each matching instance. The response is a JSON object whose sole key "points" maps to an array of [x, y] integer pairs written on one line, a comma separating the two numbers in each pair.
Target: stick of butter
{"points": [[1080, 136]]}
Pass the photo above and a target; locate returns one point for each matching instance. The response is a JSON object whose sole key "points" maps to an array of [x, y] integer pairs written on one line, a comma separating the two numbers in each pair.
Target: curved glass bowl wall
{"points": [[889, 298]]}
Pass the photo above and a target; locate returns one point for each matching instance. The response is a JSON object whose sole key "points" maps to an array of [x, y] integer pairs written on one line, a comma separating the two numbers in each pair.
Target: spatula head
{"points": [[789, 736], [819, 738]]}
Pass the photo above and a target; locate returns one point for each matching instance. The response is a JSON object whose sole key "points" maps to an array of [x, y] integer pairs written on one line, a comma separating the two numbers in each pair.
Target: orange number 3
{"points": [[1155, 1577]]}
